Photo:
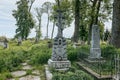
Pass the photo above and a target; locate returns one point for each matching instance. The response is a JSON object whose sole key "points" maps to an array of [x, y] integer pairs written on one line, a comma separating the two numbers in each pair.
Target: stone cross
{"points": [[95, 51], [59, 55]]}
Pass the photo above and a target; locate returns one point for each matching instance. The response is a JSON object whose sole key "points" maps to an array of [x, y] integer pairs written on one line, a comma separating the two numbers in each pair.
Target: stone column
{"points": [[95, 51]]}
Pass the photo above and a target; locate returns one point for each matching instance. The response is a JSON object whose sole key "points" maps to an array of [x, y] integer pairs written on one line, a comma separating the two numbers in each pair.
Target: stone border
{"points": [[48, 73]]}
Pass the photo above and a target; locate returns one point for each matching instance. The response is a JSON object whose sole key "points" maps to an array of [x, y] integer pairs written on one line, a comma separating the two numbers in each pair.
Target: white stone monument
{"points": [[59, 60], [95, 51]]}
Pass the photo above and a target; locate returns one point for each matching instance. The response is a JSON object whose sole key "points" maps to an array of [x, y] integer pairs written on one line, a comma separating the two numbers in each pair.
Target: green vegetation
{"points": [[72, 74], [38, 55]]}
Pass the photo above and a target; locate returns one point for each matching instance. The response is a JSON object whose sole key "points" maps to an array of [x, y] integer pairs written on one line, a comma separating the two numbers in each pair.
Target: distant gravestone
{"points": [[59, 59], [4, 42], [95, 51], [19, 40]]}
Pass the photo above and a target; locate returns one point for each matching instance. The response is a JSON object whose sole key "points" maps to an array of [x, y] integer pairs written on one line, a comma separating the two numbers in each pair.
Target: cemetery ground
{"points": [[27, 62]]}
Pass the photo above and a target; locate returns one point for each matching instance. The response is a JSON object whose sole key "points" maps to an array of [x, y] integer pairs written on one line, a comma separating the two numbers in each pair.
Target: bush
{"points": [[78, 75], [11, 58], [83, 51], [108, 51], [72, 53], [39, 54]]}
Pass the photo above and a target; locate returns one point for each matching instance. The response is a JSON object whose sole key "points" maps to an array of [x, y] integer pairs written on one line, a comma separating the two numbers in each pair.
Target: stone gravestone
{"points": [[4, 42], [19, 40], [59, 59], [95, 51]]}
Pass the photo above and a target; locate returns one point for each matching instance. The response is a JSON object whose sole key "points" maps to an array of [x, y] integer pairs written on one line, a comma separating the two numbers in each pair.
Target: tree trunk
{"points": [[97, 13], [47, 26], [92, 20], [31, 5], [77, 21], [53, 29], [116, 24]]}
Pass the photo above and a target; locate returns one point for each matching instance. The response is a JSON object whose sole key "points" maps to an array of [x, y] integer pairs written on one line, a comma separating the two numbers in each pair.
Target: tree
{"points": [[100, 12], [39, 12], [77, 20], [83, 33], [65, 6], [53, 29], [31, 3], [106, 35], [84, 20], [116, 24], [24, 19], [47, 6]]}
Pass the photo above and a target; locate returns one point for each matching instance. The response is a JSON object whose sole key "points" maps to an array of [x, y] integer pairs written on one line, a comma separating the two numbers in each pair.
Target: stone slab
{"points": [[36, 72], [24, 64], [30, 77], [27, 67], [48, 73], [18, 73], [93, 60]]}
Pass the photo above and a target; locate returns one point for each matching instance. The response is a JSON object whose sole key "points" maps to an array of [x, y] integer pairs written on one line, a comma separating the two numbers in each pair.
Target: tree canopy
{"points": [[24, 19]]}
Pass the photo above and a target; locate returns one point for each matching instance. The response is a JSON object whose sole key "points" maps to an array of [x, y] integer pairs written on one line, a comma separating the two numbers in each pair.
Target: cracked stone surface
{"points": [[18, 73], [27, 67], [30, 77]]}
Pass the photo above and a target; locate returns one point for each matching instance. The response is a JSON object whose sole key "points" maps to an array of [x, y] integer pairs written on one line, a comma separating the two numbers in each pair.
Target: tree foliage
{"points": [[100, 12], [65, 6], [24, 19]]}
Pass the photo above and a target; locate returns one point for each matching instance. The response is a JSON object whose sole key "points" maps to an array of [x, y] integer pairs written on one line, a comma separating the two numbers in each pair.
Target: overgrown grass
{"points": [[39, 53], [72, 74]]}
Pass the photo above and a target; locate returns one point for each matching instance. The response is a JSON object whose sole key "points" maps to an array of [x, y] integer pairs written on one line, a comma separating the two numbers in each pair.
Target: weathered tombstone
{"points": [[49, 44], [19, 40], [95, 51], [59, 59], [4, 42]]}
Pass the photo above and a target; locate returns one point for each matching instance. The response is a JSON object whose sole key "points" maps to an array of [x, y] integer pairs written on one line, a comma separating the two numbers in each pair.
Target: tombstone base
{"points": [[59, 65], [94, 60]]}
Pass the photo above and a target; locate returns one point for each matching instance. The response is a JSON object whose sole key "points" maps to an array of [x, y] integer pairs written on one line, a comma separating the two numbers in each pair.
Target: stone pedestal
{"points": [[59, 65], [95, 51], [59, 55]]}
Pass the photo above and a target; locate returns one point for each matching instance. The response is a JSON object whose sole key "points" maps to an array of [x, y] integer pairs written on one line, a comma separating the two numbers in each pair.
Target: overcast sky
{"points": [[7, 21]]}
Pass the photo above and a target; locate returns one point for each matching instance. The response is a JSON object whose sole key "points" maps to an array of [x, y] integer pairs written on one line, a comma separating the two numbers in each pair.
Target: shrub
{"points": [[78, 75], [72, 53], [83, 51], [39, 54], [108, 51]]}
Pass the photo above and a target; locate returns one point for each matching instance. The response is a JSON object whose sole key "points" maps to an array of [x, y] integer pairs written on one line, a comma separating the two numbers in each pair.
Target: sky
{"points": [[7, 21]]}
